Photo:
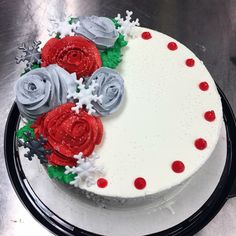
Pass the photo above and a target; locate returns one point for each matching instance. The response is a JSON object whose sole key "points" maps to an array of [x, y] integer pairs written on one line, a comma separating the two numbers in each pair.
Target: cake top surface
{"points": [[156, 141]]}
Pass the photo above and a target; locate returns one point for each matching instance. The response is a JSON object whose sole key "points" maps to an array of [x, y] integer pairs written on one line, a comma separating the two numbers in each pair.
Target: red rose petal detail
{"points": [[46, 51], [178, 166], [204, 86], [73, 53], [140, 183], [200, 144], [172, 46], [102, 183], [68, 133], [190, 62], [210, 116], [146, 35], [100, 130], [58, 160]]}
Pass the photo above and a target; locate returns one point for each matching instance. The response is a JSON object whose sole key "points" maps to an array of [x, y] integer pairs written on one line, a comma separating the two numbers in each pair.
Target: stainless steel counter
{"points": [[207, 27]]}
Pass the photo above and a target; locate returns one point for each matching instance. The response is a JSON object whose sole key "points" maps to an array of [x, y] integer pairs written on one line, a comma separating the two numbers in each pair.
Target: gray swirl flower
{"points": [[42, 89], [111, 87], [100, 30]]}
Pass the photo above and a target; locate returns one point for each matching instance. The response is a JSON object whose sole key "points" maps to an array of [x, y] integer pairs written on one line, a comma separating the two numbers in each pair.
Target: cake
{"points": [[118, 111]]}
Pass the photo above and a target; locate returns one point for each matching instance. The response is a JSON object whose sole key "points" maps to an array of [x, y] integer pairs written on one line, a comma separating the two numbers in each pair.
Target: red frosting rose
{"points": [[68, 133], [73, 53]]}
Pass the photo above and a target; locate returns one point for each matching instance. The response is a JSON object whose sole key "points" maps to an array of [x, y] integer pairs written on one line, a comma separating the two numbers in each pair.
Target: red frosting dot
{"points": [[210, 115], [190, 62], [140, 183], [200, 143], [204, 86], [146, 35], [178, 166], [172, 46], [102, 183]]}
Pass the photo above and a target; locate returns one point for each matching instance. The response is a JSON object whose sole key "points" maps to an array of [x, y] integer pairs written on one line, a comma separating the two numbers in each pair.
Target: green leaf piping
{"points": [[20, 133], [58, 173], [117, 25], [111, 57]]}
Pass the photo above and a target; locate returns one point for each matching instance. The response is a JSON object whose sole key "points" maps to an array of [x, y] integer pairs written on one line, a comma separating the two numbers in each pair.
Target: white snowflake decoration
{"points": [[61, 27], [31, 55], [85, 96], [77, 24], [127, 26], [86, 170]]}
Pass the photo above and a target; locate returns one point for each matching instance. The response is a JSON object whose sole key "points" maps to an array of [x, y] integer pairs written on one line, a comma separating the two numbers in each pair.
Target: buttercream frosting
{"points": [[100, 30], [42, 89], [110, 87]]}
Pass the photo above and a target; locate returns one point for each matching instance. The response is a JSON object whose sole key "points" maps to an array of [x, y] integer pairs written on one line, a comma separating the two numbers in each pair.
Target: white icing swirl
{"points": [[42, 89], [100, 30]]}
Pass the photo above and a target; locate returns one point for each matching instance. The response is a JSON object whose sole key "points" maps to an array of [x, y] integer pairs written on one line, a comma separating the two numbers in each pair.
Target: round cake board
{"points": [[141, 220]]}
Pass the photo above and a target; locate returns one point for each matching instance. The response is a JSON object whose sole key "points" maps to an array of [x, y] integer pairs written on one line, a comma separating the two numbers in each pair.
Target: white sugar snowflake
{"points": [[64, 28], [77, 23], [127, 26], [31, 55], [86, 170], [85, 96]]}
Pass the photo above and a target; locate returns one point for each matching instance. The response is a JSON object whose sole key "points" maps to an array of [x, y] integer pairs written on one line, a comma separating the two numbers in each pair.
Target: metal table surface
{"points": [[207, 27]]}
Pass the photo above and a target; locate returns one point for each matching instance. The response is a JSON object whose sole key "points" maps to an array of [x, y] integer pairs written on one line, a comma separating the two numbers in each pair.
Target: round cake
{"points": [[134, 115]]}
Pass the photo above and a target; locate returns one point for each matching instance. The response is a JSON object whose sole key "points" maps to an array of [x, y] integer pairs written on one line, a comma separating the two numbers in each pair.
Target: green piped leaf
{"points": [[111, 57], [117, 25], [34, 66], [58, 172], [58, 36], [20, 133], [71, 20]]}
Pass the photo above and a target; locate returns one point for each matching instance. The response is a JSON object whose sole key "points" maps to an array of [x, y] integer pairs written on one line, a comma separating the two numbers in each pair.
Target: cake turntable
{"points": [[186, 213]]}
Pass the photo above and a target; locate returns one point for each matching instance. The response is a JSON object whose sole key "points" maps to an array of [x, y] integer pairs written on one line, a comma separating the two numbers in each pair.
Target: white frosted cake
{"points": [[153, 118]]}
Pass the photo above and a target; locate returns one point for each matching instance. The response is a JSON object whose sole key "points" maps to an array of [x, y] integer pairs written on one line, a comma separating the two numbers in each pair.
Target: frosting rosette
{"points": [[68, 133], [100, 30], [111, 87], [42, 89], [73, 53]]}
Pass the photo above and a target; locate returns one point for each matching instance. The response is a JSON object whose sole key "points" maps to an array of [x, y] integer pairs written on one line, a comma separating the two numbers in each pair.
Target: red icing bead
{"points": [[172, 46], [146, 35], [178, 166], [204, 86], [140, 183], [102, 183], [200, 143], [210, 115], [190, 62]]}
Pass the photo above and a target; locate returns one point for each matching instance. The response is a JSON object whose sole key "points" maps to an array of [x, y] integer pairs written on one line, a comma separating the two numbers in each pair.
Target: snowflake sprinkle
{"points": [[85, 96], [36, 147], [63, 28], [86, 170], [32, 55], [127, 26]]}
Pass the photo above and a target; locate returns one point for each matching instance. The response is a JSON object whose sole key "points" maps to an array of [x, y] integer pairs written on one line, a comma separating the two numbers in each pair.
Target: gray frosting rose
{"points": [[111, 87], [42, 89], [100, 30]]}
